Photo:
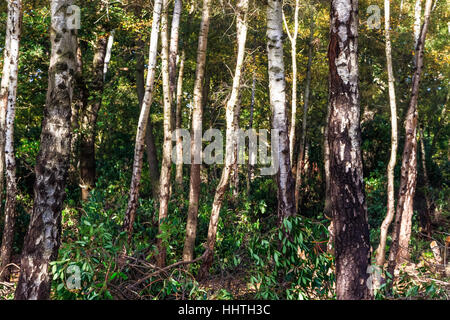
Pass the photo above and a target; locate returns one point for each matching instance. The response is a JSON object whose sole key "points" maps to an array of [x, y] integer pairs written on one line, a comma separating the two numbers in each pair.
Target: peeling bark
{"points": [[348, 204], [42, 240], [13, 33]]}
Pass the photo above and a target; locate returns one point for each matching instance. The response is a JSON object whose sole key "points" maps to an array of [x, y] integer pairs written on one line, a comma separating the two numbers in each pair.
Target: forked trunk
{"points": [[130, 214], [231, 143], [401, 235]]}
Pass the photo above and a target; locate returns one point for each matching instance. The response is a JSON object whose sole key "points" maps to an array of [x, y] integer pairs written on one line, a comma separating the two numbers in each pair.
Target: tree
{"points": [[196, 134], [277, 90], [293, 39], [42, 240], [348, 207], [231, 136], [164, 183], [301, 155], [408, 177], [381, 251], [8, 93], [88, 118], [179, 139], [142, 125]]}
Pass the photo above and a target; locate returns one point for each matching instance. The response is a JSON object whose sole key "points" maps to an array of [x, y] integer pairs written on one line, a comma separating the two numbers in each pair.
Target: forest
{"points": [[224, 150]]}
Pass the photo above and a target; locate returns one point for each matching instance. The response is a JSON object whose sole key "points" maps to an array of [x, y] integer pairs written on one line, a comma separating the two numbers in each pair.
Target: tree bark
{"points": [[42, 240], [150, 147], [293, 39], [164, 182], [251, 161], [142, 125], [429, 204], [348, 206], [13, 32], [196, 134], [301, 154], [408, 177], [277, 90], [89, 115], [231, 143], [178, 121], [108, 54], [381, 251]]}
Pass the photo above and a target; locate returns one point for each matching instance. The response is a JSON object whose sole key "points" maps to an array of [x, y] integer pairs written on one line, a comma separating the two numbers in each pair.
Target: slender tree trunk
{"points": [[428, 214], [150, 147], [417, 21], [89, 116], [231, 143], [130, 214], [250, 167], [348, 206], [42, 240], [13, 32], [164, 182], [108, 54], [381, 251], [196, 142], [178, 120], [403, 220], [301, 154], [79, 100], [277, 90], [293, 40]]}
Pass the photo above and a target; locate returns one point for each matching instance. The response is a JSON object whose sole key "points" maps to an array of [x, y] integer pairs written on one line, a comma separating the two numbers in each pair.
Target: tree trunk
{"points": [[178, 121], [277, 90], [231, 143], [381, 251], [403, 220], [79, 100], [89, 116], [164, 182], [293, 40], [251, 161], [301, 154], [348, 206], [13, 32], [108, 54], [142, 125], [196, 142], [428, 212], [42, 240], [150, 147]]}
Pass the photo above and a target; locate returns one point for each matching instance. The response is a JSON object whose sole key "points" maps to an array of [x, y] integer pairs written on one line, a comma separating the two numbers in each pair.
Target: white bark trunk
{"points": [[13, 31], [231, 143], [394, 141], [143, 120]]}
